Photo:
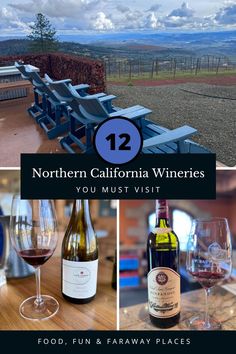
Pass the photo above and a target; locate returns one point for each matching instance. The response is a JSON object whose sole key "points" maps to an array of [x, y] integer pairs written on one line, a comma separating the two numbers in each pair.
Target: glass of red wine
{"points": [[33, 230], [209, 261]]}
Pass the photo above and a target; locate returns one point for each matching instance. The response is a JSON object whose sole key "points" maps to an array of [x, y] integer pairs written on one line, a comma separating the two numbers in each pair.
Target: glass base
{"points": [[47, 308], [198, 323]]}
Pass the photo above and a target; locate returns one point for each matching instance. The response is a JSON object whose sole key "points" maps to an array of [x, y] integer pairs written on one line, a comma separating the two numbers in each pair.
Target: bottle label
{"points": [[79, 279], [161, 230], [163, 292]]}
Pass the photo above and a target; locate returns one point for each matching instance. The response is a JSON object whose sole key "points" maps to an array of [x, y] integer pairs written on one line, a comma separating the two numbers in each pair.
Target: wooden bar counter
{"points": [[100, 314], [222, 307]]}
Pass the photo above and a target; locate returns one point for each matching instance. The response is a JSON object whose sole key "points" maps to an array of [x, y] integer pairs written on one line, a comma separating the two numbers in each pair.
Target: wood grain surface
{"points": [[100, 314]]}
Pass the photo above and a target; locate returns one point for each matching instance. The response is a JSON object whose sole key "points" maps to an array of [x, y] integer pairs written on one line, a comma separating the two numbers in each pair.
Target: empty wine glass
{"points": [[209, 261], [33, 231]]}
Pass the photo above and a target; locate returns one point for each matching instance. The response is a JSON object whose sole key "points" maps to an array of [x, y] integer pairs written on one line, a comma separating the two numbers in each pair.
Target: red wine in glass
{"points": [[209, 261], [36, 257], [208, 279], [33, 231]]}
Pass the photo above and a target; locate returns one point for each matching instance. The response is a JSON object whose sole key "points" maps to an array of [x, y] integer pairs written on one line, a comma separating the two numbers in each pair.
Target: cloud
{"points": [[60, 8], [135, 19], [175, 22], [133, 16], [102, 23], [88, 14], [154, 8], [195, 23], [131, 19], [182, 17], [122, 8], [67, 14], [107, 15], [183, 11], [227, 15], [151, 21], [9, 20]]}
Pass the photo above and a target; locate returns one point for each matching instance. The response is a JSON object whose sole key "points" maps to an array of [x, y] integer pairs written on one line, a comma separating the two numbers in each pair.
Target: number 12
{"points": [[123, 145]]}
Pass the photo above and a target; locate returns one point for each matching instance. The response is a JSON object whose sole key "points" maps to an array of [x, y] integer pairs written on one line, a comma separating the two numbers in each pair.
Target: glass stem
{"points": [[207, 319], [39, 299]]}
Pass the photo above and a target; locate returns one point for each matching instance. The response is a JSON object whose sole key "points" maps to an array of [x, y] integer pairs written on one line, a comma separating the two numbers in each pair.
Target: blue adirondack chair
{"points": [[55, 119], [160, 140], [63, 92], [39, 106], [81, 88], [159, 143], [79, 126], [157, 139], [51, 113], [89, 111]]}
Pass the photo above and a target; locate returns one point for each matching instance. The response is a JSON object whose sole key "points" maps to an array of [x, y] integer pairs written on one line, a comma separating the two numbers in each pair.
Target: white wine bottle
{"points": [[163, 271], [79, 256]]}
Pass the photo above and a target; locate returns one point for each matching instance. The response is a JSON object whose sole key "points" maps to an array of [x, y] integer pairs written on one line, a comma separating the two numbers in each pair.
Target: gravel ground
{"points": [[214, 118]]}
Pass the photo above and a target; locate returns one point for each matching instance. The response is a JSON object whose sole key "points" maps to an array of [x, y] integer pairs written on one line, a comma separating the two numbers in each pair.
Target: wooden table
{"points": [[100, 314], [222, 307]]}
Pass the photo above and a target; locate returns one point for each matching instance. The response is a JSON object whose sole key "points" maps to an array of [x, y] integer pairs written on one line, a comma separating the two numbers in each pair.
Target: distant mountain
{"points": [[218, 43], [126, 50], [154, 37], [132, 45], [14, 46]]}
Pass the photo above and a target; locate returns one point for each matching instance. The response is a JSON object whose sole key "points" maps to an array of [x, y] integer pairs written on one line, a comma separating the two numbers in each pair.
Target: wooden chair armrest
{"points": [[107, 98], [81, 87], [134, 109], [170, 136]]}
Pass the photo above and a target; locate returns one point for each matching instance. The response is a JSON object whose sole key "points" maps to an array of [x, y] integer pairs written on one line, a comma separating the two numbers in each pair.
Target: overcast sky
{"points": [[70, 16]]}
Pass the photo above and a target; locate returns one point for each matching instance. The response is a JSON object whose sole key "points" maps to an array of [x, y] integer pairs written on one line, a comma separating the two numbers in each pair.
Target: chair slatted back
{"points": [[89, 106], [22, 70], [49, 80], [61, 91], [42, 86]]}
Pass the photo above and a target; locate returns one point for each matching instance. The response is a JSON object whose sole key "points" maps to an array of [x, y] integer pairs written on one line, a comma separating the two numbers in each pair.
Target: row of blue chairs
{"points": [[61, 108]]}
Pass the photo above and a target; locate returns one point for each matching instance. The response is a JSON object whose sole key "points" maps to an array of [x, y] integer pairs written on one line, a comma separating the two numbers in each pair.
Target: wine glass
{"points": [[209, 261], [33, 231]]}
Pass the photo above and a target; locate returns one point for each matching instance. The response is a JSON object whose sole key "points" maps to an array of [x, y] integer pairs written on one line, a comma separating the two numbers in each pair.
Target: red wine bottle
{"points": [[79, 256], [163, 271]]}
